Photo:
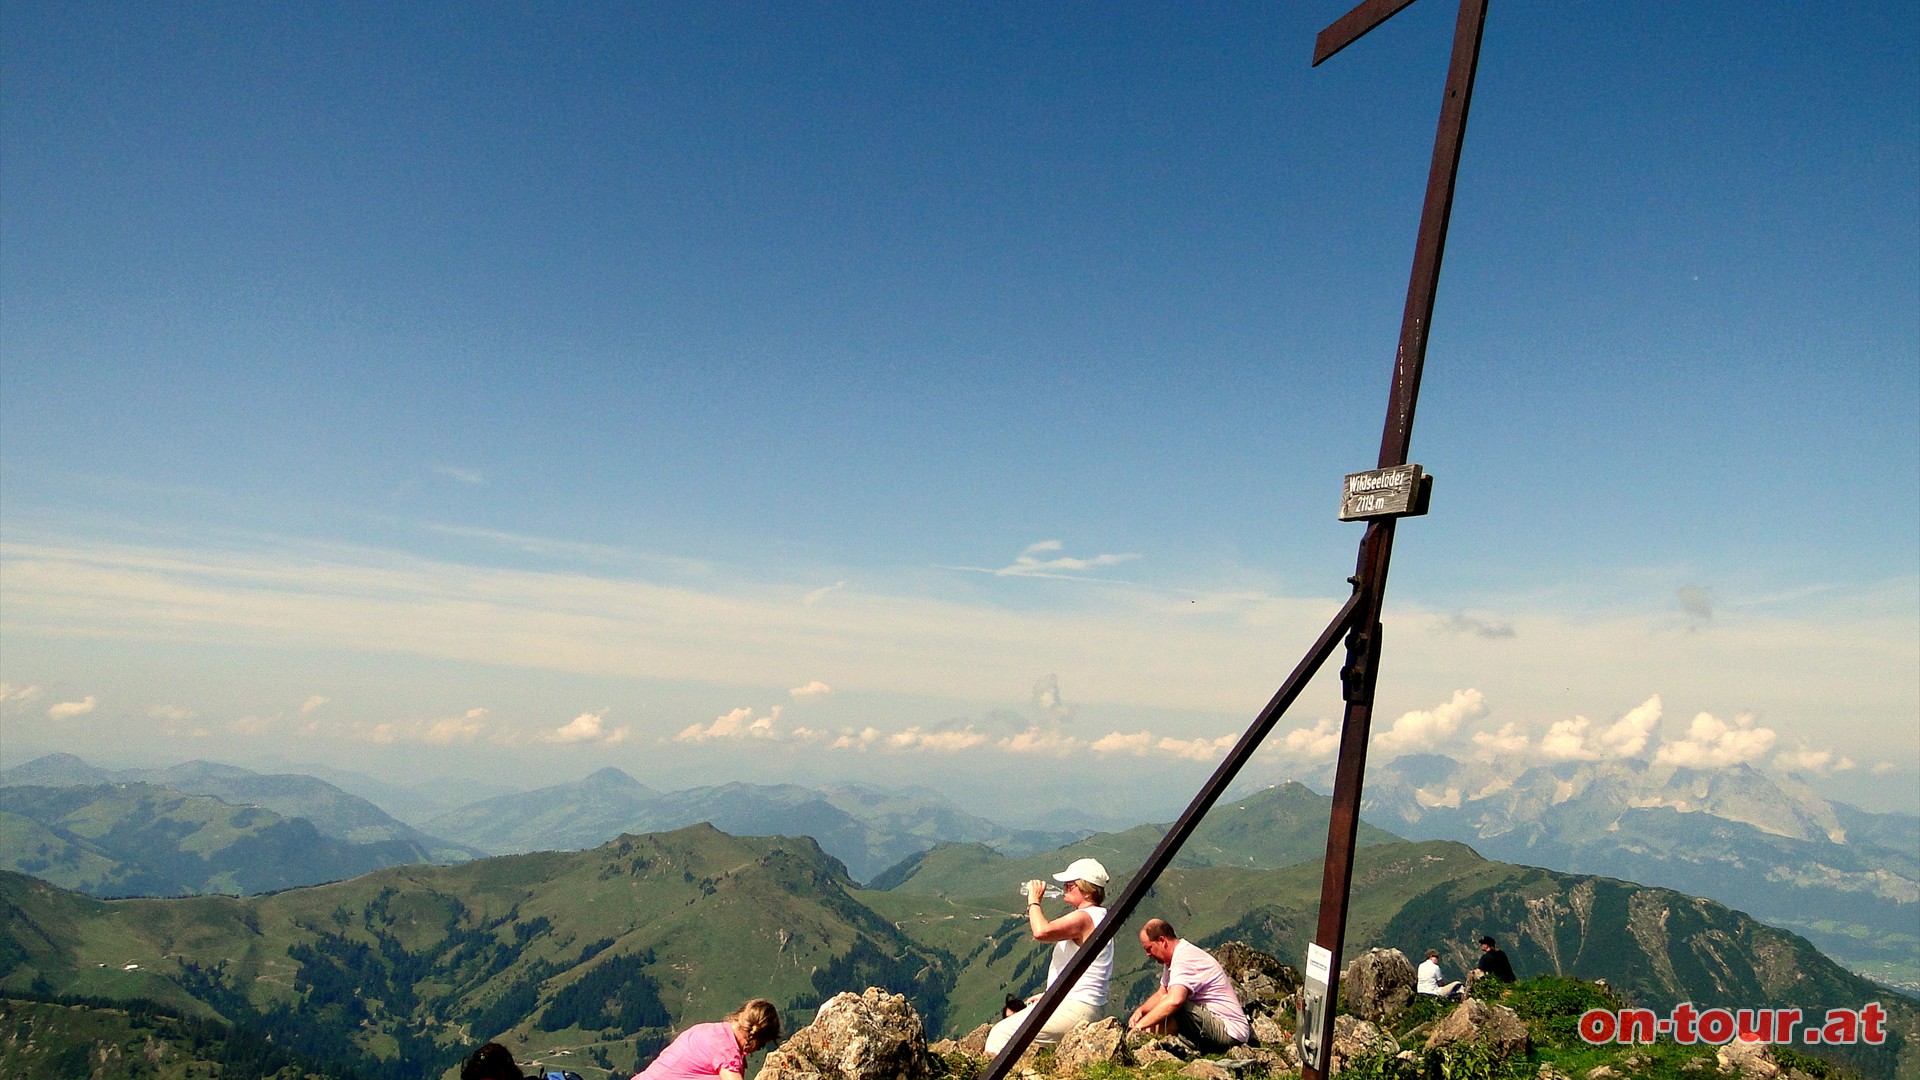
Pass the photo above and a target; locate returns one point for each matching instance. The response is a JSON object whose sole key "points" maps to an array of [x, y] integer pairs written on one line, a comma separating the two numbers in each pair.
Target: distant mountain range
{"points": [[1847, 879], [868, 828], [195, 828], [164, 832], [333, 812], [602, 952]]}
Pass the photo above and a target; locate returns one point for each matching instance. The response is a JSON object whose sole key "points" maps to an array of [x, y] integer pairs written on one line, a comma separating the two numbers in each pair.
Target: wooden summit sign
{"points": [[1401, 491]]}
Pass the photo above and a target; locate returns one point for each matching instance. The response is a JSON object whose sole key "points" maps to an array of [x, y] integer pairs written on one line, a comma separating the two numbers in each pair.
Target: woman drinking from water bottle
{"points": [[1086, 891]]}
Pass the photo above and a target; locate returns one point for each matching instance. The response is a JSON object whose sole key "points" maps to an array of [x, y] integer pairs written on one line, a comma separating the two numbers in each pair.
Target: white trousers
{"points": [[1062, 1021]]}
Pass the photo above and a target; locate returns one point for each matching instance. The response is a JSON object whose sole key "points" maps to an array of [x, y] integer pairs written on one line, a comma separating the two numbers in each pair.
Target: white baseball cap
{"points": [[1087, 870]]}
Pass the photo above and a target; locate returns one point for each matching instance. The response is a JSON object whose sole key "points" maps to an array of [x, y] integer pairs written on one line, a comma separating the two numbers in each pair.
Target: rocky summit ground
{"points": [[1527, 1030]]}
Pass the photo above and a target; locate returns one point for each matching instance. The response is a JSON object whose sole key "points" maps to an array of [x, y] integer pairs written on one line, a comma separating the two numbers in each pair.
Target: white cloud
{"points": [[1882, 768], [738, 724], [1805, 759], [587, 727], [174, 714], [1712, 743], [1036, 740], [312, 705], [863, 739], [1462, 623], [67, 710], [1317, 743], [948, 741], [1196, 749], [1509, 741], [820, 594], [1575, 739], [1628, 736], [814, 689], [1029, 564], [1138, 744], [1822, 658], [464, 476], [254, 725], [464, 728], [10, 693], [1426, 729]]}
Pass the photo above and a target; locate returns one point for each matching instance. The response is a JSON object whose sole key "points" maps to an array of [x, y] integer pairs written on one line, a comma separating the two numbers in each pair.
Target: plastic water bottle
{"points": [[1051, 892]]}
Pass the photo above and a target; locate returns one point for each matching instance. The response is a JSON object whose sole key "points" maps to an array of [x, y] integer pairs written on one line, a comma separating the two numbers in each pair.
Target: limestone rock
{"points": [[1474, 1020], [1205, 1070], [1378, 984], [1548, 1072], [868, 1036], [1356, 1038], [1264, 984], [1152, 1055], [1600, 1072], [1747, 1060], [1267, 1032], [1089, 1044], [975, 1041]]}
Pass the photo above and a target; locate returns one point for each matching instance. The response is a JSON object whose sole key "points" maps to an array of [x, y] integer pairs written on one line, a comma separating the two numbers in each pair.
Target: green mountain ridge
{"points": [[603, 952]]}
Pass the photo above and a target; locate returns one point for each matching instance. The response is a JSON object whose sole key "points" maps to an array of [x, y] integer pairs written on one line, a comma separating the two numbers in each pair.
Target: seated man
{"points": [[1195, 1000], [1430, 979], [1493, 965]]}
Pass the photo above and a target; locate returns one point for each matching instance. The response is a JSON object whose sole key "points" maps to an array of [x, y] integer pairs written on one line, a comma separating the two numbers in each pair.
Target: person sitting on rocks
{"points": [[1430, 979], [719, 1049], [491, 1062], [1086, 890], [1196, 999], [1493, 965]]}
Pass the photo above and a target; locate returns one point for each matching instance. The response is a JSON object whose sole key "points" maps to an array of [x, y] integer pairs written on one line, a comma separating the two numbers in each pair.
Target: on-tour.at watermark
{"points": [[1687, 1025]]}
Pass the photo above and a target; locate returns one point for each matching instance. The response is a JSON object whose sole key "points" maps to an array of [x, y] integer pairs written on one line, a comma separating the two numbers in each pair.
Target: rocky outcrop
{"points": [[1091, 1044], [1267, 1032], [1355, 1038], [869, 1036], [1476, 1021], [1378, 984], [1747, 1061], [1265, 985]]}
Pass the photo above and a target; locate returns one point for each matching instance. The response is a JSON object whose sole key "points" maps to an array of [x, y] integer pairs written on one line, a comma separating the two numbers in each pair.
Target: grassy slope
{"points": [[723, 918]]}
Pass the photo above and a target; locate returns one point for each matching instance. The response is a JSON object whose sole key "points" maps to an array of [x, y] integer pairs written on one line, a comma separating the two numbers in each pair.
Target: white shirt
{"points": [[1430, 976], [1092, 987]]}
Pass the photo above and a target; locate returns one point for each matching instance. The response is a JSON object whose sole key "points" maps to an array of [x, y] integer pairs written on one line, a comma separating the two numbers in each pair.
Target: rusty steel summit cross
{"points": [[1392, 490]]}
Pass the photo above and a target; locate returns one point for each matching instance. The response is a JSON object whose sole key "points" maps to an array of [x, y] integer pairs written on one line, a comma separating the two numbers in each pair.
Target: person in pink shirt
{"points": [[719, 1049], [1195, 1000]]}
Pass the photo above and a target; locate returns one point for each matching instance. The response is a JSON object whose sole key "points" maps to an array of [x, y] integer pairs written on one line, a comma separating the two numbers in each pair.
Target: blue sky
{"points": [[527, 390]]}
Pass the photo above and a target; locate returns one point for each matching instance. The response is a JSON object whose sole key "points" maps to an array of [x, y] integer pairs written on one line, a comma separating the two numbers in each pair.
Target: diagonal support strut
{"points": [[1359, 618]]}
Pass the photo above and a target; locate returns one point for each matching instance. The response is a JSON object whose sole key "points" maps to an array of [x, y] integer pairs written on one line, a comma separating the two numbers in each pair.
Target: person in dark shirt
{"points": [[1493, 964], [491, 1062]]}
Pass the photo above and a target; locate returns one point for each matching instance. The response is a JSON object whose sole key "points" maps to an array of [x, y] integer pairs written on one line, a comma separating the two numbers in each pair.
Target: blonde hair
{"points": [[758, 1021], [1096, 893]]}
